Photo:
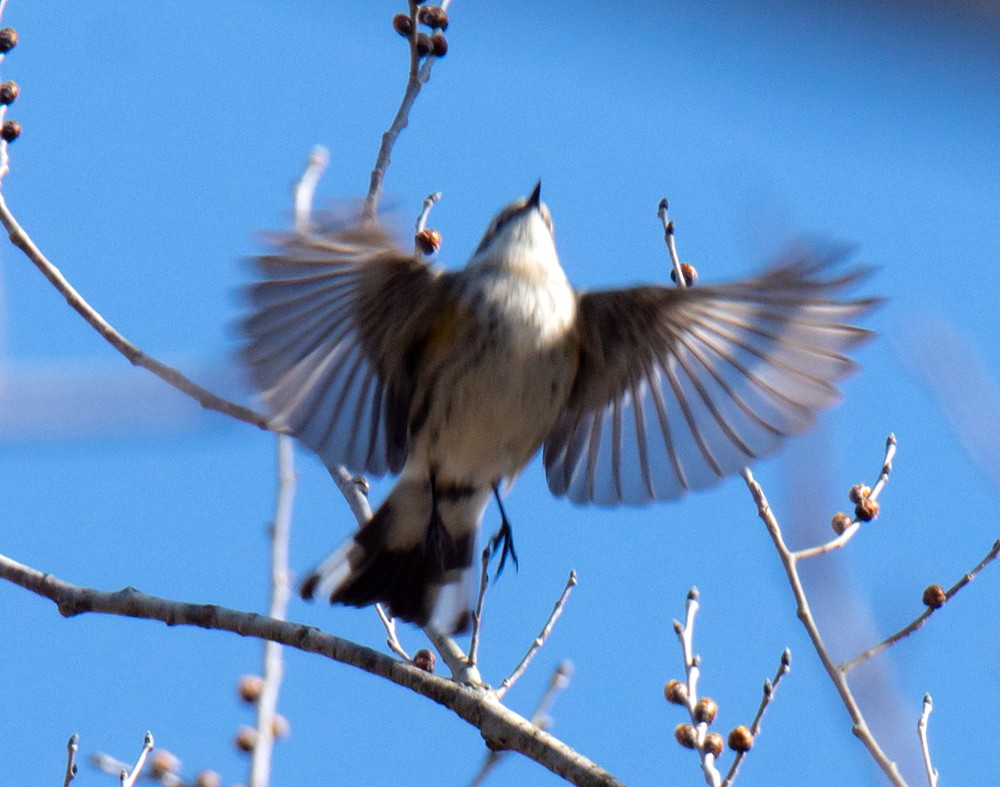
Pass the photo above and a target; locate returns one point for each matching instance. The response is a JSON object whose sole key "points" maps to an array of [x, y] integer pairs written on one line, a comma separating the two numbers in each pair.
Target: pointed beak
{"points": [[536, 195]]}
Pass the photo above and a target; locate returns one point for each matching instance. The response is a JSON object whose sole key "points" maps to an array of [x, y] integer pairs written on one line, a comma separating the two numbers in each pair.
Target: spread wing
{"points": [[678, 388], [333, 341]]}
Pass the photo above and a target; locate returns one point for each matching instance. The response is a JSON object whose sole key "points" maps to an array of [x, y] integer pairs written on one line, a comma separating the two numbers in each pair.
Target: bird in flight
{"points": [[381, 362]]}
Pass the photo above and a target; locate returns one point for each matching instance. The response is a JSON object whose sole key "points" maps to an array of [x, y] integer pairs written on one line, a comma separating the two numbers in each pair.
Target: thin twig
{"points": [[135, 356], [543, 635], [391, 639], [72, 747], [541, 717], [855, 526], [418, 77], [839, 679], [925, 714], [921, 619], [770, 686], [477, 613], [692, 672], [429, 201], [501, 727], [305, 188], [355, 491], [128, 779], [668, 236], [267, 702]]}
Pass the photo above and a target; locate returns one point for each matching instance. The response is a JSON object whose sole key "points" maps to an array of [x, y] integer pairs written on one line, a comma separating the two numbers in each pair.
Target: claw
{"points": [[503, 540]]}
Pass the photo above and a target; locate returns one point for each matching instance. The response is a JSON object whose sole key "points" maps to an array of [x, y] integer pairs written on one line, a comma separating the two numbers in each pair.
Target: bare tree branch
{"points": [[267, 702], [892, 639], [789, 561], [543, 635], [135, 356], [500, 727]]}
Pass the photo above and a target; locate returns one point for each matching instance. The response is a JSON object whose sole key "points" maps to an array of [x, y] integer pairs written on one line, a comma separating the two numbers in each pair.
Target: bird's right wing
{"points": [[677, 388], [338, 325]]}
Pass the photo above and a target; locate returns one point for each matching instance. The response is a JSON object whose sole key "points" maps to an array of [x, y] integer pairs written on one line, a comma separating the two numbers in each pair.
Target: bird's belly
{"points": [[491, 408]]}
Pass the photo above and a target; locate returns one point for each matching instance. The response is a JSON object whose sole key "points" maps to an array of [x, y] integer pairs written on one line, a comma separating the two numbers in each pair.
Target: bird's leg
{"points": [[435, 528], [503, 539]]}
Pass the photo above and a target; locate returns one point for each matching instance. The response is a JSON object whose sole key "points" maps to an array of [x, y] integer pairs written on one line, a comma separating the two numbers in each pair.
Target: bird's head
{"points": [[523, 226]]}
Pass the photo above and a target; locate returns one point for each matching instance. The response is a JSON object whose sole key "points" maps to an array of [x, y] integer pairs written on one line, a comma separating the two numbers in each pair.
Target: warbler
{"points": [[381, 362]]}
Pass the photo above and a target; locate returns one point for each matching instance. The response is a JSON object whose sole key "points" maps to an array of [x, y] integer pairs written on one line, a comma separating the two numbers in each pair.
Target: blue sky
{"points": [[159, 139]]}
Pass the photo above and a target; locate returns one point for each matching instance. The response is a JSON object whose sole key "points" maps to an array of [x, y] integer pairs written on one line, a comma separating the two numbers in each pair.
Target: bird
{"points": [[382, 362]]}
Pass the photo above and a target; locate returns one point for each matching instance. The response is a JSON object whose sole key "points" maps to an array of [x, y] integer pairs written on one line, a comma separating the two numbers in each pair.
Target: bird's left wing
{"points": [[677, 388], [339, 320]]}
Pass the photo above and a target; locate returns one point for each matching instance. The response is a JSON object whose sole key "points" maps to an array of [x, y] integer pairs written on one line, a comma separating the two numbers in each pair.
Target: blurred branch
{"points": [[500, 727], [135, 356], [935, 598], [267, 702]]}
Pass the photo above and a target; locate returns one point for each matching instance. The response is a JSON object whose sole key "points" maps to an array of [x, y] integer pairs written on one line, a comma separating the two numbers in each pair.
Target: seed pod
{"points": [[713, 744], [934, 596], [8, 39], [424, 659], [740, 739], [439, 45], [9, 92], [689, 272], [10, 130], [705, 710], [402, 24], [675, 692], [250, 687], [686, 735]]}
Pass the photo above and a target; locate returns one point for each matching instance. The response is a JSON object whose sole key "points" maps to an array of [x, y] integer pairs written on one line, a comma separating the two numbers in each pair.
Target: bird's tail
{"points": [[410, 557]]}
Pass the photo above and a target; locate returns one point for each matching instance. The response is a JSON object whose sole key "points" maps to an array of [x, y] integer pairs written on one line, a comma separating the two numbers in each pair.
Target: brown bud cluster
{"points": [[934, 596], [402, 24], [9, 92], [686, 735], [859, 492], [10, 130], [675, 692], [713, 744], [250, 687], [866, 510], [439, 45], [424, 659], [434, 16], [689, 272], [8, 39], [428, 241], [740, 739], [840, 522], [705, 710]]}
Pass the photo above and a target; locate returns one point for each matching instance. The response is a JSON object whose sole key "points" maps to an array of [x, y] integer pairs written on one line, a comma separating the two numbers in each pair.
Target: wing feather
{"points": [[677, 388], [333, 339]]}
